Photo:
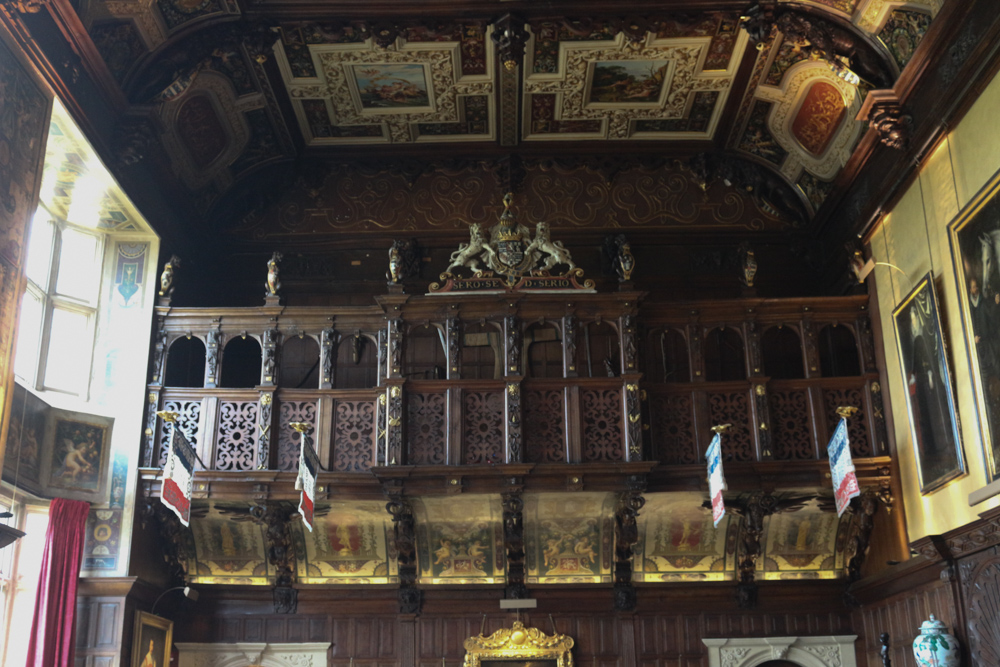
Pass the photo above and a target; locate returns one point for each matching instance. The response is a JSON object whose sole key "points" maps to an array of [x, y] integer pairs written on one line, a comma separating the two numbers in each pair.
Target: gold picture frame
{"points": [[519, 647], [151, 641]]}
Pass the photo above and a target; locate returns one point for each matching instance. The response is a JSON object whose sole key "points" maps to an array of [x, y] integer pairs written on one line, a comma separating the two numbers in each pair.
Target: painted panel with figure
{"points": [[78, 448], [348, 545], [929, 399], [229, 546], [678, 541], [975, 245], [805, 544]]}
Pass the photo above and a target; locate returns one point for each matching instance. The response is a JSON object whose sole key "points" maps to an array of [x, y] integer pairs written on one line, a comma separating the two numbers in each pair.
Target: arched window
{"points": [[781, 348], [185, 363], [598, 352], [357, 363], [423, 354], [667, 357], [838, 351], [481, 351], [299, 367], [241, 363], [543, 351], [725, 358]]}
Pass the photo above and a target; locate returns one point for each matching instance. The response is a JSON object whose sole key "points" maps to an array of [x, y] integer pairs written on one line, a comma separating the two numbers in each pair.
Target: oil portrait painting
{"points": [[929, 400]]}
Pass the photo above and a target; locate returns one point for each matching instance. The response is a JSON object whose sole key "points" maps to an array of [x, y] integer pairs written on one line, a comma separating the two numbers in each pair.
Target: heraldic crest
{"points": [[510, 259]]}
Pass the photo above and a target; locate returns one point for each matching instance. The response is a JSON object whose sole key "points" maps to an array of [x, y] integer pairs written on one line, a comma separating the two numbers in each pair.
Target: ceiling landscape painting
{"points": [[227, 95]]}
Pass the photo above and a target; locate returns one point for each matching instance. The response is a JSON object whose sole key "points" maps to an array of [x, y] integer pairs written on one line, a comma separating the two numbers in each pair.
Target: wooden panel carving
{"points": [[857, 433], [236, 436], [482, 426], [288, 440], [188, 414], [733, 408], [425, 429], [793, 438], [602, 424], [982, 598], [353, 436], [544, 426], [673, 428]]}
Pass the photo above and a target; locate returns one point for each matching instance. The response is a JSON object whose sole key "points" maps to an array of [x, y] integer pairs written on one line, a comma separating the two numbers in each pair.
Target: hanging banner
{"points": [[845, 481], [178, 476], [306, 481], [716, 482]]}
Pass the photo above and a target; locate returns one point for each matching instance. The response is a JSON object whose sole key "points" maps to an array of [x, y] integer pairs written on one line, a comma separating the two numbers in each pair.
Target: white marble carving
{"points": [[247, 654], [828, 651]]}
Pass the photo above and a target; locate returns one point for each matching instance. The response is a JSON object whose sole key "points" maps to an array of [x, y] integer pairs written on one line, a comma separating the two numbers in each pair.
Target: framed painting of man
{"points": [[929, 401], [151, 641], [975, 247]]}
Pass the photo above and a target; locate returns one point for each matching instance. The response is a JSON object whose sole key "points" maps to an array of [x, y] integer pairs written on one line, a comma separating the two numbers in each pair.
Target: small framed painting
{"points": [[76, 461], [151, 641], [929, 401]]}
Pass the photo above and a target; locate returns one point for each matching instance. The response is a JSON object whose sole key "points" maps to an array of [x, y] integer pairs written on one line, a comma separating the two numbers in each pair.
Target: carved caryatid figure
{"points": [[273, 283]]}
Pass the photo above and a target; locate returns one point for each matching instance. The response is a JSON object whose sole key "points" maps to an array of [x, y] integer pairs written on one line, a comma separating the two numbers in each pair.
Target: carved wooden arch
{"points": [[828, 651]]}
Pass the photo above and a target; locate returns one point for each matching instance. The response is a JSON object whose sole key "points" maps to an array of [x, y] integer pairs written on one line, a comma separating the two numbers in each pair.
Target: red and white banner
{"points": [[306, 481], [716, 481], [178, 476], [845, 480]]}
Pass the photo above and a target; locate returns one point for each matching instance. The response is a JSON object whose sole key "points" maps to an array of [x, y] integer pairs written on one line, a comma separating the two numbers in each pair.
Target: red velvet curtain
{"points": [[51, 642]]}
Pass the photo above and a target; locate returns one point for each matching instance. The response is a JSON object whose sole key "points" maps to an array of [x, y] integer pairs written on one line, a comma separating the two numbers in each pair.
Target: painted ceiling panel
{"points": [[677, 541], [349, 544], [460, 542], [805, 544], [569, 538], [229, 548]]}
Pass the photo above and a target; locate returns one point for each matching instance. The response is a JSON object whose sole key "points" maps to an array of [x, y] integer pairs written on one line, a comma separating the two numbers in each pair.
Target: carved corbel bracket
{"points": [[510, 37], [626, 537], [885, 114], [513, 537], [276, 517], [405, 545]]}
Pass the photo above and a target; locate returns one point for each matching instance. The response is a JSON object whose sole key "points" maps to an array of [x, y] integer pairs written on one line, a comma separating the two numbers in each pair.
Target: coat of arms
{"points": [[512, 259]]}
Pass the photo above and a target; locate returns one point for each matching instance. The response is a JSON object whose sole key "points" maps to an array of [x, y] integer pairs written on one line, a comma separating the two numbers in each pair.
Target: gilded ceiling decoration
{"points": [[227, 95], [805, 544], [348, 545], [678, 541]]}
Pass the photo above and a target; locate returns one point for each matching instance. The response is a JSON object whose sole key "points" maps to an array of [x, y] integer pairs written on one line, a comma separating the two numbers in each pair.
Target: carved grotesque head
{"points": [[542, 231]]}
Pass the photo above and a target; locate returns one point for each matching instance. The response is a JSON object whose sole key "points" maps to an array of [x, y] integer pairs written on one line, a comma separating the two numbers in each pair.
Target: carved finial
{"points": [[301, 427], [168, 416], [846, 411], [721, 428], [167, 277]]}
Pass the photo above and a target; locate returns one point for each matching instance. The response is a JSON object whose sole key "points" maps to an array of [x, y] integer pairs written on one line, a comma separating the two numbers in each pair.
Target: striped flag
{"points": [[178, 476], [306, 481], [845, 481], [716, 482]]}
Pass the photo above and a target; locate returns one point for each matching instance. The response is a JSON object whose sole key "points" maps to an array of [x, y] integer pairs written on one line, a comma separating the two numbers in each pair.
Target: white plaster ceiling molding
{"points": [[871, 15], [828, 651], [148, 20], [787, 100], [229, 111], [665, 74], [246, 654], [390, 96]]}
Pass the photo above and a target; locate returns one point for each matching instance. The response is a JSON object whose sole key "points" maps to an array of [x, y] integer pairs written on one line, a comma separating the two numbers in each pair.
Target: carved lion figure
{"points": [[467, 253], [557, 253]]}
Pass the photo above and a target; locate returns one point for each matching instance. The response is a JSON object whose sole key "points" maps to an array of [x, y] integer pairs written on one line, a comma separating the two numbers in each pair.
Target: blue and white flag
{"points": [[716, 482], [306, 481], [845, 481], [178, 476]]}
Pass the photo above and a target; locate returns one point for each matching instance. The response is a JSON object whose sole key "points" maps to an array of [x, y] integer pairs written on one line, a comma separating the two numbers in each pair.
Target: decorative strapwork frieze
{"points": [[633, 421], [513, 422], [212, 341], [269, 367], [395, 348], [328, 340], [630, 350], [569, 346], [394, 425], [453, 329], [149, 435], [762, 412], [264, 421], [512, 345]]}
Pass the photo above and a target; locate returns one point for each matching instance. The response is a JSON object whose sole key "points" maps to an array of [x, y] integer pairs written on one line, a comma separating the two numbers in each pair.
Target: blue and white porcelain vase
{"points": [[934, 647]]}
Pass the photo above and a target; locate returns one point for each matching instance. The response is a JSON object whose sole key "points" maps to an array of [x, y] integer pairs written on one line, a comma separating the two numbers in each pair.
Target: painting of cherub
{"points": [[79, 456]]}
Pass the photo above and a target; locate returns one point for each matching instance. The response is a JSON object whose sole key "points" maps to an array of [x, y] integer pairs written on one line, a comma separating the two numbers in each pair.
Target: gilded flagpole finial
{"points": [[721, 428], [300, 427], [168, 416], [846, 411]]}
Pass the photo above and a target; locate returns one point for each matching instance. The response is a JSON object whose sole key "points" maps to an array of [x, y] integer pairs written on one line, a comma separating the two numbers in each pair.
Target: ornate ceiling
{"points": [[227, 96]]}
